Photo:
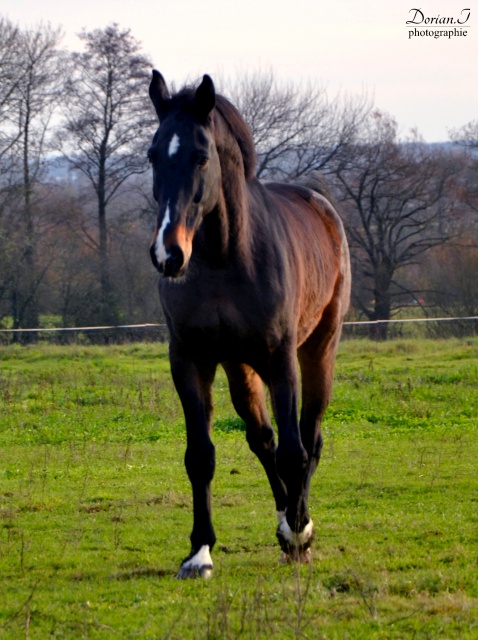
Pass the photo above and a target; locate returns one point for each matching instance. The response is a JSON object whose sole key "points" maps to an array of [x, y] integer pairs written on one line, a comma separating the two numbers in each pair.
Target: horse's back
{"points": [[317, 240], [311, 202], [310, 215]]}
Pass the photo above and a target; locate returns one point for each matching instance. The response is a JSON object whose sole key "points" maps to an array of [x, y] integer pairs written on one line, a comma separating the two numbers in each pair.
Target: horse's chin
{"points": [[170, 273], [179, 275]]}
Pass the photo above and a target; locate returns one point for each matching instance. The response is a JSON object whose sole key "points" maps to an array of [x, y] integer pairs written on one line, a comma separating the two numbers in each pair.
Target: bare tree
{"points": [[296, 129], [452, 277], [467, 135], [39, 96], [467, 138], [395, 196], [33, 78], [10, 79], [108, 122]]}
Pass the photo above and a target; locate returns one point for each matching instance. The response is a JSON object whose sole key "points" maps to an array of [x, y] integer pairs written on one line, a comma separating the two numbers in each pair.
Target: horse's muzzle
{"points": [[173, 266]]}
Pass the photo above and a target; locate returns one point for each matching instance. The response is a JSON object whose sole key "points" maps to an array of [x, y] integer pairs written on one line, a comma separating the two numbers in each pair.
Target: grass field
{"points": [[95, 506]]}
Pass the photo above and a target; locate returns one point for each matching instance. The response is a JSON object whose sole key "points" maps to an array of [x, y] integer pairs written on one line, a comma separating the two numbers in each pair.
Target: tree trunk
{"points": [[108, 312], [382, 303], [30, 314]]}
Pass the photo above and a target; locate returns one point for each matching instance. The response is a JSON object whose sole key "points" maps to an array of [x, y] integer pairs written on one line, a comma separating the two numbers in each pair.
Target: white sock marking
{"points": [[296, 539], [159, 248], [173, 145], [201, 559]]}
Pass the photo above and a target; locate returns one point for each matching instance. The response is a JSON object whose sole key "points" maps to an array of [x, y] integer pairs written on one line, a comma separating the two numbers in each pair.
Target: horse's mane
{"points": [[240, 131], [235, 123]]}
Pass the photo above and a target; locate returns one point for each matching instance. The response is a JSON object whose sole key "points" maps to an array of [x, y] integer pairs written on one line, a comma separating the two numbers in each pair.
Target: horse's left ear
{"points": [[205, 98], [159, 94]]}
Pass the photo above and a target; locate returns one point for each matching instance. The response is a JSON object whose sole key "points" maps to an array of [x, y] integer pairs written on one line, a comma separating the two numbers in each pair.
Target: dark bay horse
{"points": [[255, 277]]}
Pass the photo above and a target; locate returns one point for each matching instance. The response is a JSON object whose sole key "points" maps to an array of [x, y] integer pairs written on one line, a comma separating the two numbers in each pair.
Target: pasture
{"points": [[95, 506]]}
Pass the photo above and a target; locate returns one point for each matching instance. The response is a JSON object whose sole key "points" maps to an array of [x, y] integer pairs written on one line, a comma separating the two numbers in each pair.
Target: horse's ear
{"points": [[205, 98], [159, 94]]}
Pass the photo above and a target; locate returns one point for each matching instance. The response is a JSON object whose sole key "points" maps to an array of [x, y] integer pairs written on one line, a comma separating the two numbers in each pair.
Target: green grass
{"points": [[95, 506]]}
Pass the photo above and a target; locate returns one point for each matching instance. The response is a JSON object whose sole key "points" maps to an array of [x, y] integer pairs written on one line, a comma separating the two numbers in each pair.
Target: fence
{"points": [[414, 328], [154, 332], [113, 334]]}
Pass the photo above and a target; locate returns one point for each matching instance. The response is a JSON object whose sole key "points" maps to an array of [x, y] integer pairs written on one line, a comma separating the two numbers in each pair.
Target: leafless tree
{"points": [[452, 277], [467, 138], [395, 195], [467, 135], [8, 84], [10, 78], [108, 123], [32, 71], [296, 129]]}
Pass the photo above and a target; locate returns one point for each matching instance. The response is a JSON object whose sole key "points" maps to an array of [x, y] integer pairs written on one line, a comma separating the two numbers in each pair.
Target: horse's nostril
{"points": [[174, 262]]}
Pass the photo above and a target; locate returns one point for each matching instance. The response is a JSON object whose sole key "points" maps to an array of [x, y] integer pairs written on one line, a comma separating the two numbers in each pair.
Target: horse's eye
{"points": [[202, 162]]}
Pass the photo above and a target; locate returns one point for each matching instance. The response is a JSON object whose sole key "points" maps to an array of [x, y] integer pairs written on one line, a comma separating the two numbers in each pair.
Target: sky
{"points": [[349, 46]]}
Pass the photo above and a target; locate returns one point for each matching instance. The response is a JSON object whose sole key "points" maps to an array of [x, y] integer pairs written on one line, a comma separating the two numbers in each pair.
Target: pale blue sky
{"points": [[348, 45]]}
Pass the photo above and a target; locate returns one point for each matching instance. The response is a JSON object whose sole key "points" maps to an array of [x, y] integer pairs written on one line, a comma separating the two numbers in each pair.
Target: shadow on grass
{"points": [[145, 572]]}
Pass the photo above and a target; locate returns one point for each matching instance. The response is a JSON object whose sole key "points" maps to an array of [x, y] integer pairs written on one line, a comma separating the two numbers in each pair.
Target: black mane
{"points": [[240, 131]]}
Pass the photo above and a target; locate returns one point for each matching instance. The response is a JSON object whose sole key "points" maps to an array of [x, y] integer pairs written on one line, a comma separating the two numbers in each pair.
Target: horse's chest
{"points": [[220, 324]]}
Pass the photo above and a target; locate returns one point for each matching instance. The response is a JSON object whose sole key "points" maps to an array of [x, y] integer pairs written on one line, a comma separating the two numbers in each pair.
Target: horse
{"points": [[254, 277]]}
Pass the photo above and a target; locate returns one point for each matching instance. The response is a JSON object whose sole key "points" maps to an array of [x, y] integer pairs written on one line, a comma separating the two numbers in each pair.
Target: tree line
{"points": [[76, 208]]}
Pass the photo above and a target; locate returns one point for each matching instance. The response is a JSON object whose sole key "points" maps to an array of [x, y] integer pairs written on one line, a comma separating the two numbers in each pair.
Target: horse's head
{"points": [[186, 170]]}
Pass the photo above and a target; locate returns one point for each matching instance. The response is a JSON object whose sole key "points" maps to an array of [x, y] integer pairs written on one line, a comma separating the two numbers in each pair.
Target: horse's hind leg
{"points": [[295, 529], [247, 394], [316, 358]]}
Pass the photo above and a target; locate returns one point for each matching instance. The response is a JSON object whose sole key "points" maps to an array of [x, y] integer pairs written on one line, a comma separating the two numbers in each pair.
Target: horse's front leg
{"points": [[295, 530], [193, 382]]}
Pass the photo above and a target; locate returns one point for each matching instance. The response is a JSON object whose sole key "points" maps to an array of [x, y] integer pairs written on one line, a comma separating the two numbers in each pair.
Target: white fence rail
{"points": [[102, 328], [147, 325], [398, 321]]}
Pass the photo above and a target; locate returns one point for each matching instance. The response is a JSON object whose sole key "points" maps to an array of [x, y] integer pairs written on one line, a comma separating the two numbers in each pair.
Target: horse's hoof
{"points": [[291, 539], [306, 556], [303, 556], [185, 573], [295, 545], [196, 565]]}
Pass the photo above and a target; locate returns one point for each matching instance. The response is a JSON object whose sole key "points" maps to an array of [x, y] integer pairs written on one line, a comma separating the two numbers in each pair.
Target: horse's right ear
{"points": [[159, 94]]}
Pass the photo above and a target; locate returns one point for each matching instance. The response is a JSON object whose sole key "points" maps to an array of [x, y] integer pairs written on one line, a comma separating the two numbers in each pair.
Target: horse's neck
{"points": [[213, 238], [235, 200], [228, 230]]}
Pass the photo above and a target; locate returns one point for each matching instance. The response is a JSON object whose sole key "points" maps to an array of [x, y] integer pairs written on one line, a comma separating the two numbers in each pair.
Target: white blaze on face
{"points": [[173, 145], [159, 248]]}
